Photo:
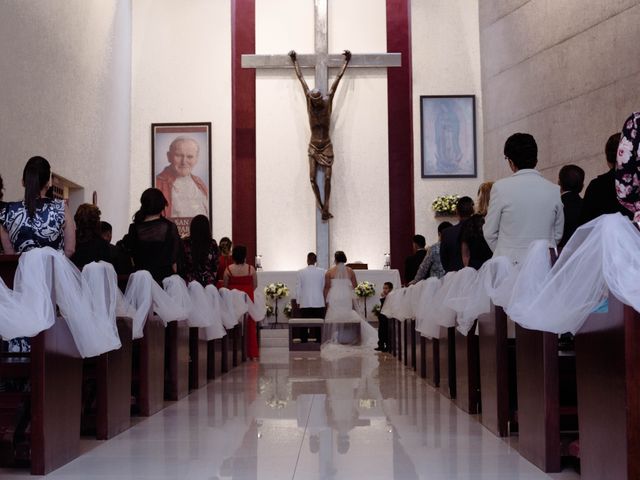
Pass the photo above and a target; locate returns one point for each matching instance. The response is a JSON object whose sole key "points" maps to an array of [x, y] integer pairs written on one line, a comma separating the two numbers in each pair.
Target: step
{"points": [[279, 333], [274, 342]]}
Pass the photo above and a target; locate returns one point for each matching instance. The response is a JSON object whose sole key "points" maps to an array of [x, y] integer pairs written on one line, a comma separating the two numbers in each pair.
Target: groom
{"points": [[310, 288]]}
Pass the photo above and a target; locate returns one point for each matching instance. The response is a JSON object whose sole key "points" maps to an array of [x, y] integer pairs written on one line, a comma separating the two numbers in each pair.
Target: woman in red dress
{"points": [[241, 276], [224, 260]]}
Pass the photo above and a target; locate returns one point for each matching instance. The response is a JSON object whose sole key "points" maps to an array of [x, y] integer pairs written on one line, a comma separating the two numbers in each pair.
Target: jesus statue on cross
{"points": [[320, 147]]}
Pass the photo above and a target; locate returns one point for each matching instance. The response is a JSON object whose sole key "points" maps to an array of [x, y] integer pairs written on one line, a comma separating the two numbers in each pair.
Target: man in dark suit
{"points": [[600, 196], [571, 181], [450, 247], [412, 262]]}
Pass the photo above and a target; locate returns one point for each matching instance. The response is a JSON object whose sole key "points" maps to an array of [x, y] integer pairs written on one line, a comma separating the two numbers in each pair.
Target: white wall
{"points": [[446, 61], [360, 192], [181, 72], [65, 76], [565, 71]]}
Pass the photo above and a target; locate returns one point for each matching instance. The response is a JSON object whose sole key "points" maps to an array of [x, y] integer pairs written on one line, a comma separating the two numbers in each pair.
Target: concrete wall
{"points": [[446, 61], [65, 72], [566, 71]]}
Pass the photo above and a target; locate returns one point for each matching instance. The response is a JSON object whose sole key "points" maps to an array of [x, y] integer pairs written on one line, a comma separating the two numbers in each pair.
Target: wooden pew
{"points": [[214, 358], [107, 379], [498, 391], [176, 360], [608, 371], [409, 343], [227, 351], [421, 354], [198, 351], [467, 371], [149, 367], [447, 353], [432, 361], [54, 369]]}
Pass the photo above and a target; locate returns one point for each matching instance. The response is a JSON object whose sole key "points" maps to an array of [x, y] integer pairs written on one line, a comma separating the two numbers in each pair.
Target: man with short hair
{"points": [[310, 288], [571, 181], [187, 194], [450, 245], [431, 266], [600, 196], [523, 207], [412, 262]]}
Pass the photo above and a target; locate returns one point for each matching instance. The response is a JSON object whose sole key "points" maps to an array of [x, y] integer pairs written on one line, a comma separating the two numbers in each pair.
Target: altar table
{"points": [[377, 277]]}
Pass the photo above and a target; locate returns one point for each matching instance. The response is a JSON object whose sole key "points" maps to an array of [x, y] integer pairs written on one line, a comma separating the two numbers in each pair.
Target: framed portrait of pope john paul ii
{"points": [[448, 133], [181, 170]]}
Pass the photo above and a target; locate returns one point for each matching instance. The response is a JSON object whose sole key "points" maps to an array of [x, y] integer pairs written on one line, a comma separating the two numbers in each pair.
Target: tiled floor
{"points": [[304, 417]]}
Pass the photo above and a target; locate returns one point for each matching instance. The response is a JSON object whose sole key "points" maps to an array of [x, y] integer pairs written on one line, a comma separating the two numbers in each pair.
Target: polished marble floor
{"points": [[301, 416]]}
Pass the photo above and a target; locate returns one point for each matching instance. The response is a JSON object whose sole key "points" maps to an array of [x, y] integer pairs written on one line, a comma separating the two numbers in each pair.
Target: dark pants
{"points": [[317, 312], [383, 333]]}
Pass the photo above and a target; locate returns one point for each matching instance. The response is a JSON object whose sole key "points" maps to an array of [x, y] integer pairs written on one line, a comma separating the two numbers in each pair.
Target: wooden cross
{"points": [[322, 61]]}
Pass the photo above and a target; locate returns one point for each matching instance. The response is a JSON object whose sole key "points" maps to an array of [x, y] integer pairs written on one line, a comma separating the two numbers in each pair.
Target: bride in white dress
{"points": [[343, 325]]}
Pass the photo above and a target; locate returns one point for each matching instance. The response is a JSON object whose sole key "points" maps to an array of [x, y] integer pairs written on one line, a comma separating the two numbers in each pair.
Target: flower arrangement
{"points": [[365, 289], [288, 310], [276, 290], [269, 310], [376, 309], [445, 204]]}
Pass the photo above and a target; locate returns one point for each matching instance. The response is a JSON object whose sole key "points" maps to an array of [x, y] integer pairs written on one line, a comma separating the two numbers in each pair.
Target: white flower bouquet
{"points": [[376, 309], [276, 290], [269, 310], [288, 310], [365, 289], [445, 204]]}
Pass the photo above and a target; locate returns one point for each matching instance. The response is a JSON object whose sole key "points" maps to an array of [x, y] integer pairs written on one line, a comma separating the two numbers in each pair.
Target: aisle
{"points": [[303, 417]]}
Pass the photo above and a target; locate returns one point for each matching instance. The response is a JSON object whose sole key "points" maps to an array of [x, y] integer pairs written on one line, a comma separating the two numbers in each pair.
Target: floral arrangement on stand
{"points": [[377, 308], [274, 292], [364, 290], [288, 310], [269, 310], [445, 205]]}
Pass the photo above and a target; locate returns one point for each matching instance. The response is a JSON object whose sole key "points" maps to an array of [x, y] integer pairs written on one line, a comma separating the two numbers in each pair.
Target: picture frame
{"points": [[181, 169], [448, 136]]}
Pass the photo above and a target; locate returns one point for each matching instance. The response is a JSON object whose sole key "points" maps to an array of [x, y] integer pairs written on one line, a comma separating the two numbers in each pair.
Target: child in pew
{"points": [[383, 321]]}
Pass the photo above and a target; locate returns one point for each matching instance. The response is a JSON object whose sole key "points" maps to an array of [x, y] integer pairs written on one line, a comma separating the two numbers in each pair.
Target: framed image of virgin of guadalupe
{"points": [[448, 133], [181, 169]]}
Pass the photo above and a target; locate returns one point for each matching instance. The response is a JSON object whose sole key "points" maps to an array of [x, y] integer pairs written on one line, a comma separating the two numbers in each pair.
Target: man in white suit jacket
{"points": [[310, 289], [524, 207]]}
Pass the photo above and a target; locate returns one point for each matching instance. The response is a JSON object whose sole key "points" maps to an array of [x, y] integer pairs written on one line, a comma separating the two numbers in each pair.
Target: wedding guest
{"points": [[384, 344], [450, 248], [571, 181], [242, 276], [224, 260], [37, 221], [431, 266], [628, 166], [475, 250], [412, 262], [90, 246], [199, 259], [523, 207], [152, 240], [310, 288], [600, 196]]}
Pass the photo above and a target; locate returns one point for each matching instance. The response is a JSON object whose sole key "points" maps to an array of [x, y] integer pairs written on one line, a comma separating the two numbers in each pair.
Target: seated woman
{"points": [[36, 222], [199, 259], [153, 241], [90, 246], [241, 276], [475, 250]]}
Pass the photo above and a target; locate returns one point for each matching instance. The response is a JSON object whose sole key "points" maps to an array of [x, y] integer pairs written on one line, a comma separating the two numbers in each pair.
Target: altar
{"points": [[289, 277]]}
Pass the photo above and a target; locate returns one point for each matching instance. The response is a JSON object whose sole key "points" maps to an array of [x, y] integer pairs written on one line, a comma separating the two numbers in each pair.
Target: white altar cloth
{"points": [[289, 277]]}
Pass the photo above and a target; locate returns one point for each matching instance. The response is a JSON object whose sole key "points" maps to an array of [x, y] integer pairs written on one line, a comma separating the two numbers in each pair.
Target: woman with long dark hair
{"points": [[90, 246], [153, 241], [242, 276], [37, 221], [199, 253], [224, 260]]}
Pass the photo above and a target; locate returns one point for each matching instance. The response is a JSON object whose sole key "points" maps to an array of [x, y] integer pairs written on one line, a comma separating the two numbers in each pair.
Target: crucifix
{"points": [[321, 61]]}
